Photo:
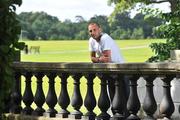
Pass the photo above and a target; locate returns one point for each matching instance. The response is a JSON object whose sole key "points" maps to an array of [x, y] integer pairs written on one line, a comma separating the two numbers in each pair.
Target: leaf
{"points": [[8, 70], [13, 7], [19, 45], [4, 49], [18, 2]]}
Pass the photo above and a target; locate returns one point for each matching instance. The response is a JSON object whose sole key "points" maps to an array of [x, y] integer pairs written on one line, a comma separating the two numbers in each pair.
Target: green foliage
{"points": [[170, 31], [137, 33], [40, 25], [125, 27], [9, 36], [120, 33]]}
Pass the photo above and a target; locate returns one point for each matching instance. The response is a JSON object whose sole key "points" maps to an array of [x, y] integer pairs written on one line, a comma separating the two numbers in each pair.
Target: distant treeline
{"points": [[40, 25]]}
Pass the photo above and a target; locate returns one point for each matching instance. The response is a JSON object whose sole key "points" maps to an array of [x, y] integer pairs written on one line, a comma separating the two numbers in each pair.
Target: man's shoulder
{"points": [[106, 36], [91, 39]]}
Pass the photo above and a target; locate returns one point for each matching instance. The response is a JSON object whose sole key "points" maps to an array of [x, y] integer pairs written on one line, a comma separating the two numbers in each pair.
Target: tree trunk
{"points": [[173, 5]]}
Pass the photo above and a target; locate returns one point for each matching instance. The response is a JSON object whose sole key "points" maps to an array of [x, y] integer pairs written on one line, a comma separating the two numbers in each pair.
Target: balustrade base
{"points": [[133, 117], [38, 112], [50, 113], [103, 116], [165, 118], [16, 110], [27, 117], [117, 117], [89, 116], [60, 115], [10, 116], [27, 111], [148, 118], [75, 115], [63, 114]]}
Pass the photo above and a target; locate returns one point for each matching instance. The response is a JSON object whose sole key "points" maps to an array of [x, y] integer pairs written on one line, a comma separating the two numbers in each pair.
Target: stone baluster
{"points": [[167, 105], [16, 95], [51, 98], [103, 101], [179, 109], [149, 104], [119, 101], [39, 98], [63, 99], [133, 103], [76, 100], [90, 100], [28, 95]]}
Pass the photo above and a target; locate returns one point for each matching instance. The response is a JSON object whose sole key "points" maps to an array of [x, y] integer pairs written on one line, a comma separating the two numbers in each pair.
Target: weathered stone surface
{"points": [[127, 68], [23, 117]]}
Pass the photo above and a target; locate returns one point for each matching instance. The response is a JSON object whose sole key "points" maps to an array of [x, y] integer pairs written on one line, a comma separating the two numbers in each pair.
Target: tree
{"points": [[122, 20], [79, 19], [147, 24], [122, 5], [125, 27], [137, 33], [40, 25], [120, 33], [9, 35], [37, 24], [170, 30]]}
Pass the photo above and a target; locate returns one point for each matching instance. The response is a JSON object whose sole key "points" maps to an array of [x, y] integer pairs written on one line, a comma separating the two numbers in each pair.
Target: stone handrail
{"points": [[134, 68], [149, 71]]}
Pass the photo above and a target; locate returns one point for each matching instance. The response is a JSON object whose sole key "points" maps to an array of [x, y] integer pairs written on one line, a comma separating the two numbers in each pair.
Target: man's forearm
{"points": [[101, 59], [104, 59], [95, 59]]}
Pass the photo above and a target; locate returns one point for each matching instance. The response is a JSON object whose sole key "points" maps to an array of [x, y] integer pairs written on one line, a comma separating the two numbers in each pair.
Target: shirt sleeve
{"points": [[106, 43], [91, 45]]}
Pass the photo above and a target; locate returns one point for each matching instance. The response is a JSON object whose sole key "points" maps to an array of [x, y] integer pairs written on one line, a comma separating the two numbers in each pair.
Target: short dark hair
{"points": [[96, 23]]}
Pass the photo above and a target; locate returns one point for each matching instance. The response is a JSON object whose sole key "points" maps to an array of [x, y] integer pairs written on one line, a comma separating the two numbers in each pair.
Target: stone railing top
{"points": [[85, 67]]}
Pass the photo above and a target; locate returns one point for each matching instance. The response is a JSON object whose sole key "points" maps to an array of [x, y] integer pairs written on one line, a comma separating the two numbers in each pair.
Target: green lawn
{"points": [[77, 51]]}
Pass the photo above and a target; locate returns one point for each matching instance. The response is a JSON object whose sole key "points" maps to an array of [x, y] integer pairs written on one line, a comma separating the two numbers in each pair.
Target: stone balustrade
{"points": [[149, 72]]}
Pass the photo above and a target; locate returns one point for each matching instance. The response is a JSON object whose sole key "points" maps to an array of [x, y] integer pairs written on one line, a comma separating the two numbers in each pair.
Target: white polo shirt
{"points": [[106, 43]]}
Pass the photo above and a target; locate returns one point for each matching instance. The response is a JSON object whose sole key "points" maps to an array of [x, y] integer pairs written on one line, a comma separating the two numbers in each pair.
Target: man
{"points": [[103, 49]]}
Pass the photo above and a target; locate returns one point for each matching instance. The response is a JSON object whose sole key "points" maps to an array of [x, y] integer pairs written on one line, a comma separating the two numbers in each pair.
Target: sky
{"points": [[69, 9]]}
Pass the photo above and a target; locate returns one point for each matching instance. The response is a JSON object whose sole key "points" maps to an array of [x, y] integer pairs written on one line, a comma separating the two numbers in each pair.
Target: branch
{"points": [[156, 1]]}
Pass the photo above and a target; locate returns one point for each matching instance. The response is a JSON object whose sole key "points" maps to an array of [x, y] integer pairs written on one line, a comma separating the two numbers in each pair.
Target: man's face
{"points": [[94, 31]]}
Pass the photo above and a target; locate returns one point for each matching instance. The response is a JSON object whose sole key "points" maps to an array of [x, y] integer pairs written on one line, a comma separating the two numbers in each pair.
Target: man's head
{"points": [[94, 31]]}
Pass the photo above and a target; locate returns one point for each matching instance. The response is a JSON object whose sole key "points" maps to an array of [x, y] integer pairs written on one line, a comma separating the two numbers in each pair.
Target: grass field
{"points": [[77, 51]]}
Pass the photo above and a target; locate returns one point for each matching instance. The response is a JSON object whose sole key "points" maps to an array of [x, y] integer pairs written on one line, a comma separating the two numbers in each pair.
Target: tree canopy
{"points": [[170, 30], [40, 25], [9, 46], [127, 4]]}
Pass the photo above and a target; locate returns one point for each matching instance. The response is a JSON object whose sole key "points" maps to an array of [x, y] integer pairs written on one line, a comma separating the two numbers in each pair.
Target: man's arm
{"points": [[94, 59], [106, 57]]}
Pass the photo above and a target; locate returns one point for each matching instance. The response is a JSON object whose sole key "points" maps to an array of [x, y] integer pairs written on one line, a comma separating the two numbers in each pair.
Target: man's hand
{"points": [[95, 59], [105, 58]]}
